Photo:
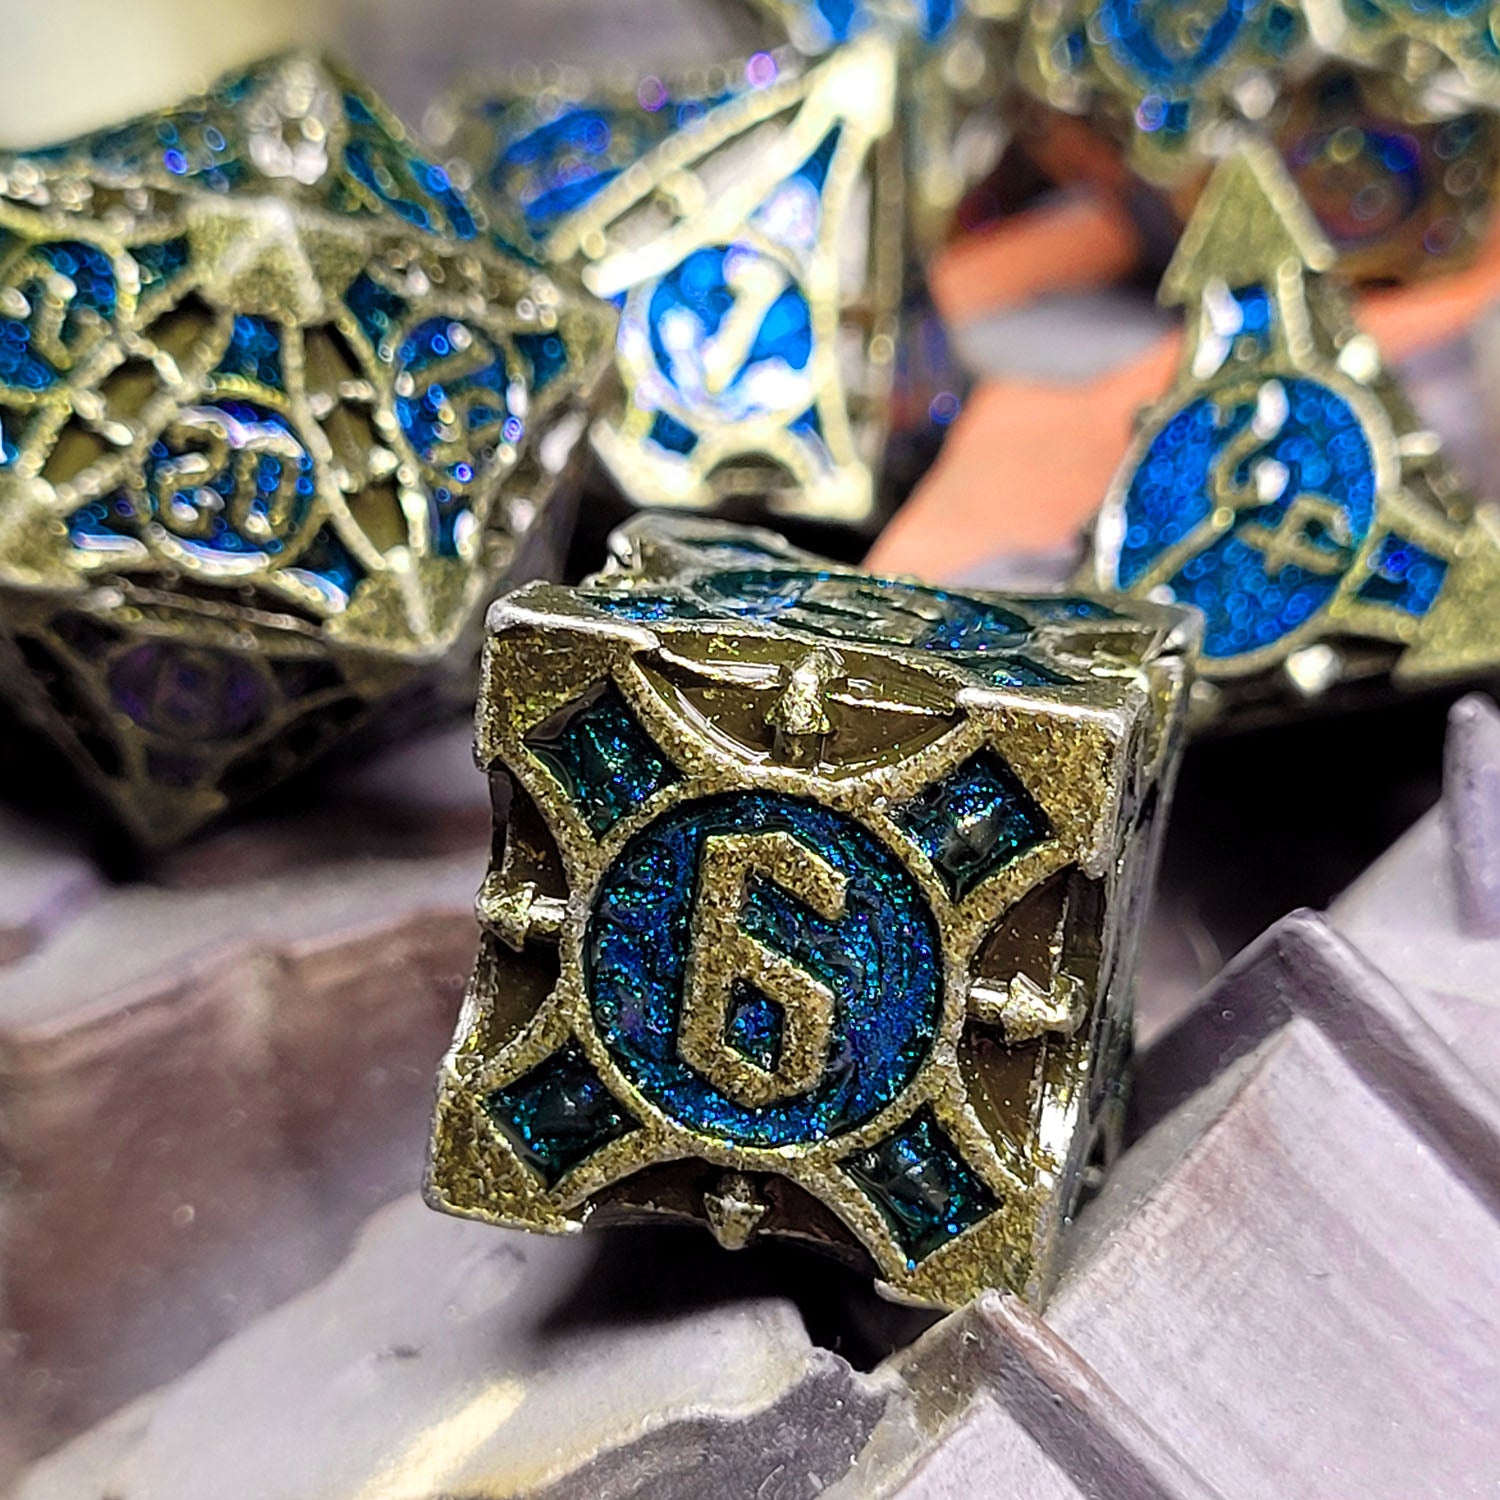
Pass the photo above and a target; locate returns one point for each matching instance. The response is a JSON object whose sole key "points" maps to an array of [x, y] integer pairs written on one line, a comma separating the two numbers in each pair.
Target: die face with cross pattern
{"points": [[813, 906]]}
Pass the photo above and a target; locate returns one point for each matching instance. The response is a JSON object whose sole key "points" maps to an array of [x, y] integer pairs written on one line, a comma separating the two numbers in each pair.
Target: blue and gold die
{"points": [[813, 908], [749, 224], [1285, 487], [276, 415]]}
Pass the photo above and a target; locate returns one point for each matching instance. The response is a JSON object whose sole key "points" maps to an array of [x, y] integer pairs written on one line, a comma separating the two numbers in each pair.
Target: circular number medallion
{"points": [[773, 942], [1291, 462], [881, 611], [1172, 44], [731, 332]]}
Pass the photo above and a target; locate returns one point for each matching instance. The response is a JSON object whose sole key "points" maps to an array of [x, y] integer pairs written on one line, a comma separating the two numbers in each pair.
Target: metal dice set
{"points": [[275, 419], [815, 895]]}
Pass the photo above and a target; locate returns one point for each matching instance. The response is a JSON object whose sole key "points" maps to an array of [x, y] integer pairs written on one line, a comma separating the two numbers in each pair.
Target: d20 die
{"points": [[275, 418], [813, 908]]}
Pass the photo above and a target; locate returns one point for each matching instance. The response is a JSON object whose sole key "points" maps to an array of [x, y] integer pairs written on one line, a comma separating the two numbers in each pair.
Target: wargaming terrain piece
{"points": [[275, 416], [749, 225], [1284, 486], [814, 907]]}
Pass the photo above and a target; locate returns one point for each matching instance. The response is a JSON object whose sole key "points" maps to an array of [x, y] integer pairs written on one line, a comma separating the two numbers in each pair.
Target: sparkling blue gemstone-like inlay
{"points": [[69, 288], [1250, 594], [1170, 44], [602, 757], [451, 385], [978, 633], [881, 960], [974, 822], [836, 21], [231, 480], [755, 1025], [558, 1114], [1405, 576], [923, 1188], [686, 312], [254, 351]]}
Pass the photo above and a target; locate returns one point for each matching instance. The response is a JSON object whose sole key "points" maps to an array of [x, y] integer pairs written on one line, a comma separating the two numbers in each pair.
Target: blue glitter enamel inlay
{"points": [[378, 311], [547, 356], [552, 168], [981, 635], [836, 21], [208, 510], [1242, 580], [687, 309], [10, 431], [415, 189], [754, 1026], [882, 960], [328, 563], [1404, 576], [667, 432], [597, 749], [974, 822], [254, 351], [160, 262], [1257, 313], [925, 1191], [880, 610], [1153, 39], [79, 276], [558, 1114], [451, 402], [1063, 608]]}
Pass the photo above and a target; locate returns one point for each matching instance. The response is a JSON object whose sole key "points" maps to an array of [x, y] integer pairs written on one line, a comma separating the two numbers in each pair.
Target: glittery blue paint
{"points": [[689, 306], [206, 510], [160, 262], [378, 311], [254, 351], [1404, 576], [1247, 604], [327, 558], [87, 290], [839, 20], [754, 1026], [546, 355], [922, 1186], [667, 432], [451, 403], [881, 959], [1148, 37], [604, 759], [415, 189], [558, 1114], [974, 822], [985, 637]]}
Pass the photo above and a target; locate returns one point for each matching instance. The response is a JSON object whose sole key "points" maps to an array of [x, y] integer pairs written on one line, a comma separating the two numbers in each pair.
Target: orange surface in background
{"points": [[1028, 461]]}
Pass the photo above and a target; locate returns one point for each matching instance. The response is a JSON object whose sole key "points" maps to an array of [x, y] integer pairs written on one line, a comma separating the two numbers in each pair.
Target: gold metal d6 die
{"points": [[275, 417], [814, 906]]}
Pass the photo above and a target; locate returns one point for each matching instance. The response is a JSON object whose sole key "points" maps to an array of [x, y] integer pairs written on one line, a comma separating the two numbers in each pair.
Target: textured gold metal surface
{"points": [[742, 672], [275, 417]]}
